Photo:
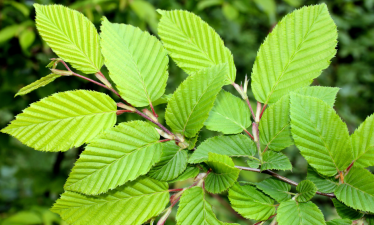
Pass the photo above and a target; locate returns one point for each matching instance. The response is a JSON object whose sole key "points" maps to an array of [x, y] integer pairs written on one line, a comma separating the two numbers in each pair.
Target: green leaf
{"points": [[223, 174], [194, 209], [173, 162], [250, 202], [275, 188], [320, 134], [229, 115], [307, 189], [234, 146], [23, 218], [26, 38], [137, 62], [274, 127], [190, 104], [253, 163], [339, 222], [363, 143], [230, 12], [190, 172], [357, 191], [133, 203], [37, 84], [9, 32], [275, 161], [64, 120], [346, 212], [71, 36], [193, 44], [370, 219], [323, 184], [120, 154], [295, 213], [162, 100], [294, 53]]}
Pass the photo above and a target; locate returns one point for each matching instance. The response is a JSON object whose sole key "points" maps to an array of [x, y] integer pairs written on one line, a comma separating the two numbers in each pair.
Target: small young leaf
{"points": [[275, 161], [307, 189], [133, 203], [275, 188], [78, 41], [190, 104], [190, 172], [233, 146], [339, 222], [37, 84], [292, 212], [320, 134], [323, 184], [250, 202], [253, 163], [64, 120], [363, 143], [137, 62], [294, 53], [118, 155], [357, 191], [346, 212], [229, 115], [223, 174], [193, 44], [162, 100], [173, 162]]}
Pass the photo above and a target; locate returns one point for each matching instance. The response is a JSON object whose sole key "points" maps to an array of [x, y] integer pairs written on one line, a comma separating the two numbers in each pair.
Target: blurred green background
{"points": [[30, 181]]}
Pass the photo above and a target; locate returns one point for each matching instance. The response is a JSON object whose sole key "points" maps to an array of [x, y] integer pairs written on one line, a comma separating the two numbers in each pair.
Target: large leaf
{"points": [[190, 104], [275, 188], [71, 36], [133, 203], [193, 44], [274, 126], [294, 53], [63, 120], [223, 174], [346, 212], [357, 191], [307, 189], [233, 146], [194, 209], [294, 213], [229, 115], [137, 62], [363, 143], [173, 162], [37, 84], [250, 202], [320, 134], [275, 161], [119, 155], [323, 184]]}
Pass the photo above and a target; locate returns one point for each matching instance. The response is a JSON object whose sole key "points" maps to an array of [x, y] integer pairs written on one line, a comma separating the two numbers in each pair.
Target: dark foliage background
{"points": [[30, 181]]}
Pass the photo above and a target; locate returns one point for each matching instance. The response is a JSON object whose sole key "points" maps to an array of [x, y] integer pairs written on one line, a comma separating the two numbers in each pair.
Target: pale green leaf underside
{"points": [[223, 174], [323, 184], [190, 104], [193, 44], [363, 143], [294, 53], [357, 191], [133, 203], [229, 115], [234, 146], [173, 162], [37, 84], [71, 36], [118, 155], [275, 188], [275, 161], [274, 127], [307, 189], [339, 222], [190, 172], [320, 134], [63, 120], [293, 213], [250, 202], [137, 62], [194, 209], [346, 212]]}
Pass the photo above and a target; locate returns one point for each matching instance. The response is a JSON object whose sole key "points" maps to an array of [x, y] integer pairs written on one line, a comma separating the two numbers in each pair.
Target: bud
{"points": [[150, 115], [62, 72], [164, 217], [164, 134], [127, 107], [102, 78], [258, 112], [183, 145], [254, 131], [180, 137]]}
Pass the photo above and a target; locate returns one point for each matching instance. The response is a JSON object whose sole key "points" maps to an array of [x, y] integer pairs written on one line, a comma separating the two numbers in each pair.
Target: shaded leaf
{"points": [[346, 212], [190, 172], [275, 161], [363, 143], [275, 188], [339, 222], [299, 213], [323, 184]]}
